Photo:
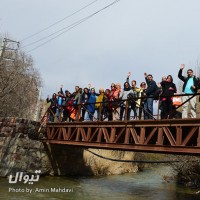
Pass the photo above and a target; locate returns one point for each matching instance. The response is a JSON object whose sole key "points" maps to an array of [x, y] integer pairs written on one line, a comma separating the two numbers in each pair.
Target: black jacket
{"points": [[168, 89], [185, 80], [151, 87]]}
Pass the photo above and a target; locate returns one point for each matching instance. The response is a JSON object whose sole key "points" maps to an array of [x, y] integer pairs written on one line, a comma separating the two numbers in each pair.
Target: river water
{"points": [[146, 185]]}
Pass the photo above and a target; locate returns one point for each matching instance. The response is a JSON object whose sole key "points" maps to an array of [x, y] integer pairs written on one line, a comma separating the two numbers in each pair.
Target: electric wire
{"points": [[141, 161], [68, 28], [72, 26], [43, 38], [55, 23]]}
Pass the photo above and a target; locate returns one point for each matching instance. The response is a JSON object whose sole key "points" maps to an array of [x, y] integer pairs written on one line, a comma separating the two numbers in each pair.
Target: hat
{"points": [[66, 91]]}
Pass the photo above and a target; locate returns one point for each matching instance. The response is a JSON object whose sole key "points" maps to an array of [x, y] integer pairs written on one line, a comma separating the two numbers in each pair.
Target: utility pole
{"points": [[2, 51], [8, 49]]}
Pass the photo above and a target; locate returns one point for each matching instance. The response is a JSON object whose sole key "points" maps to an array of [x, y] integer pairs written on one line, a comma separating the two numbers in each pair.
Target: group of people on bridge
{"points": [[117, 102]]}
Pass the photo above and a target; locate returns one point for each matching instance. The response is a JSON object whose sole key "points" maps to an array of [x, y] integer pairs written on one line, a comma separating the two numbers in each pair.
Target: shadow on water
{"points": [[146, 185]]}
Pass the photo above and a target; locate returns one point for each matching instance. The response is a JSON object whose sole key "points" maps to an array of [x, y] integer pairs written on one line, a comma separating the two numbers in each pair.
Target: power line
{"points": [[68, 28], [48, 27], [43, 38], [71, 26], [141, 161]]}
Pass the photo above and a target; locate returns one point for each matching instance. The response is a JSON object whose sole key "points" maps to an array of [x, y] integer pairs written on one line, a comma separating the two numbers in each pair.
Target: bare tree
{"points": [[19, 85]]}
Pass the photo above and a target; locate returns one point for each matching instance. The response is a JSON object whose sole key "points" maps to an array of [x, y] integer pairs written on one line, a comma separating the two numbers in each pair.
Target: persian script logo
{"points": [[19, 177]]}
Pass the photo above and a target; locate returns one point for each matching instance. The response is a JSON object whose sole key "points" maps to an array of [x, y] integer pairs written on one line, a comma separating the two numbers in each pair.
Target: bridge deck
{"points": [[177, 136]]}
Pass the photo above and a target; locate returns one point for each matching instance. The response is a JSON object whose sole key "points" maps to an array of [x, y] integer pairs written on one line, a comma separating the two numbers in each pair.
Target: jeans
{"points": [[58, 113], [148, 108]]}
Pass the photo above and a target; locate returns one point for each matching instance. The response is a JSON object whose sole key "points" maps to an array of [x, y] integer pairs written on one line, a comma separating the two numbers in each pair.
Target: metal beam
{"points": [[128, 147]]}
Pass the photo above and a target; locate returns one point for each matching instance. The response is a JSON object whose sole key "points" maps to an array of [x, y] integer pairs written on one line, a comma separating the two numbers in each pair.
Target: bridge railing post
{"points": [[78, 114], [158, 107], [126, 111], [100, 113]]}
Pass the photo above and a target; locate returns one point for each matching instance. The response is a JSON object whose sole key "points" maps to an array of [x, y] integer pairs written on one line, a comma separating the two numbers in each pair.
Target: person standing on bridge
{"points": [[68, 106], [53, 106], [136, 92], [91, 104], [77, 101], [190, 86], [115, 104], [99, 105], [142, 99], [150, 92], [168, 90], [124, 97], [84, 99], [59, 110]]}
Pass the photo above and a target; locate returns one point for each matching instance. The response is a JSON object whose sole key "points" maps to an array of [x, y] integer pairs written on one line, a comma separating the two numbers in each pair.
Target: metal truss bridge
{"points": [[175, 136]]}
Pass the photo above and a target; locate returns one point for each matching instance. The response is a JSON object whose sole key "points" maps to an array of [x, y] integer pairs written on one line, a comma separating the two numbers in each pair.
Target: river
{"points": [[145, 185]]}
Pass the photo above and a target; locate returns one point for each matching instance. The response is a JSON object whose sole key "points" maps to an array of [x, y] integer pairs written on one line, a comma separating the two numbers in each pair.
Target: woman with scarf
{"points": [[168, 90]]}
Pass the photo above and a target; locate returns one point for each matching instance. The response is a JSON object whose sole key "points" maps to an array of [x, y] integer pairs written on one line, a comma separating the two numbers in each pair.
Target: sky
{"points": [[153, 36]]}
